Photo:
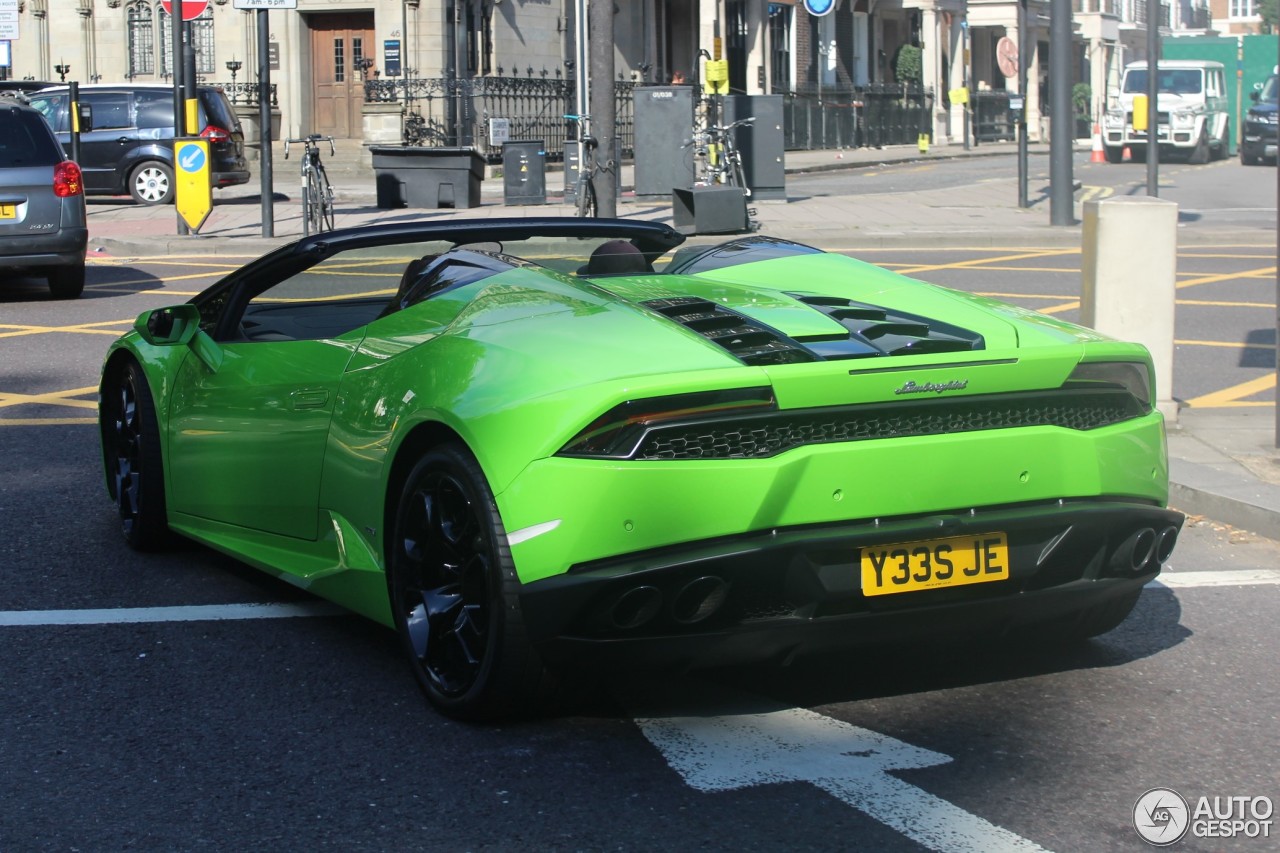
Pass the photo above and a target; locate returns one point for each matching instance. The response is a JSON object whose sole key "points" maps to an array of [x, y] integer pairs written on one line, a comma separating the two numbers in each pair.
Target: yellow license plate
{"points": [[934, 563], [8, 211]]}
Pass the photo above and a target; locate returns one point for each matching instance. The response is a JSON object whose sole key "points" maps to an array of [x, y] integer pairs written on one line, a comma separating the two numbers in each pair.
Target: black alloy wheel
{"points": [[131, 449], [453, 592]]}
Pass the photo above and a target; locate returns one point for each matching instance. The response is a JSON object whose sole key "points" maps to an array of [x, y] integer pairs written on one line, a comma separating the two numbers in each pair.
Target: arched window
{"points": [[142, 41]]}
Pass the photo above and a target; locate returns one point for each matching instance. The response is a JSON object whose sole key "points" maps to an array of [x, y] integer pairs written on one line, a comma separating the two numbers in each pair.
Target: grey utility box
{"points": [[762, 143], [427, 177], [709, 210], [524, 173], [663, 127]]}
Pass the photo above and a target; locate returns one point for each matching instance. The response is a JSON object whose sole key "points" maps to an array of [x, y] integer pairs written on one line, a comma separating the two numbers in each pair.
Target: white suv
{"points": [[1191, 112]]}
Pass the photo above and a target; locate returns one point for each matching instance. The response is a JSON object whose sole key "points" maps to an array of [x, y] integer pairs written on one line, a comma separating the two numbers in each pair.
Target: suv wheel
{"points": [[66, 282], [152, 183]]}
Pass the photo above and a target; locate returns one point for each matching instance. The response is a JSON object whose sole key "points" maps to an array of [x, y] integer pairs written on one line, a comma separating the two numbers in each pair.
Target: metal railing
{"points": [[448, 112], [245, 94]]}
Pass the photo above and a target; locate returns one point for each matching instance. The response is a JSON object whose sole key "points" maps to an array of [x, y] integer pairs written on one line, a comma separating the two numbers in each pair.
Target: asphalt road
{"points": [[181, 731]]}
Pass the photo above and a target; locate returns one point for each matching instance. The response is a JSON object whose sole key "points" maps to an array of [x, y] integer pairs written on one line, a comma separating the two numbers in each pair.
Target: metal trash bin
{"points": [[524, 173], [709, 210], [427, 177]]}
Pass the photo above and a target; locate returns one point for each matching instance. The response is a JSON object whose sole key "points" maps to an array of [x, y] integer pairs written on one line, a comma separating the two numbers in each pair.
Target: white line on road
{"points": [[1241, 577], [195, 613]]}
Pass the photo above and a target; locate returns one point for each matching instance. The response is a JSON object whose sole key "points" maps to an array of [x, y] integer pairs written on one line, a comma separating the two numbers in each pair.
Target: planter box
{"points": [[427, 177]]}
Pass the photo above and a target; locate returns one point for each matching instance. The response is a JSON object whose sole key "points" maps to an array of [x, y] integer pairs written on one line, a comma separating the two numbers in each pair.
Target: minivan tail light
{"points": [[66, 179], [216, 134]]}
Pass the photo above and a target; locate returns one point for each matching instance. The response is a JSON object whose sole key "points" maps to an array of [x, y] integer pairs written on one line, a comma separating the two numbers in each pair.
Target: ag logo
{"points": [[1161, 817]]}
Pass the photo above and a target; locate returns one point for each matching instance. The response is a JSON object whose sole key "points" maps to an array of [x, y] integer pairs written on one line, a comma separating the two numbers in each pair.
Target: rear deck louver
{"points": [[874, 331], [744, 338]]}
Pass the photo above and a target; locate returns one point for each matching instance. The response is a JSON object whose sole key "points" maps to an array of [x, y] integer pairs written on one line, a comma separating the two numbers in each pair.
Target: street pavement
{"points": [[1224, 462]]}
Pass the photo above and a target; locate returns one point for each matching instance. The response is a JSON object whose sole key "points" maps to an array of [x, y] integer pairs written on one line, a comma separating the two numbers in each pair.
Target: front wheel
{"points": [[152, 183], [587, 199], [453, 591], [131, 450], [1200, 154], [1114, 153]]}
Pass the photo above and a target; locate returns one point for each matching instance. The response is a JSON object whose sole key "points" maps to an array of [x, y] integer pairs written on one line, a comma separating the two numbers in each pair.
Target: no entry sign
{"points": [[191, 9]]}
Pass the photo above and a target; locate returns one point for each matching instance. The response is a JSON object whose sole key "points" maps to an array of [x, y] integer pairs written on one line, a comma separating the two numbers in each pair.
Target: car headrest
{"points": [[617, 257]]}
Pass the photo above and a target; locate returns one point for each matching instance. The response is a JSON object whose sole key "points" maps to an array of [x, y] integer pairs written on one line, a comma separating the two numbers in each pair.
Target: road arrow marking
{"points": [[778, 744]]}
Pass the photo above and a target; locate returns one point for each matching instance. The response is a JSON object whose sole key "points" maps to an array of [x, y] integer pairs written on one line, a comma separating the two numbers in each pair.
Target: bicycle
{"points": [[722, 161], [317, 194], [584, 185]]}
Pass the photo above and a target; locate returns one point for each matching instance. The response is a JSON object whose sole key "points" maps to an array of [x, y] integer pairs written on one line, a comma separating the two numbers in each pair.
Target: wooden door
{"points": [[338, 43]]}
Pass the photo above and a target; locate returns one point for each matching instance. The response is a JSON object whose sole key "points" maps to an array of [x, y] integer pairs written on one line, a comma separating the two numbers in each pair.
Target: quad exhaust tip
{"points": [[1136, 551], [699, 599], [635, 607], [1164, 544]]}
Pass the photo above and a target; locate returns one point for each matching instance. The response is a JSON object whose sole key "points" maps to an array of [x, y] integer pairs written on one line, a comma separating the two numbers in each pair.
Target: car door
{"points": [[247, 440], [103, 145]]}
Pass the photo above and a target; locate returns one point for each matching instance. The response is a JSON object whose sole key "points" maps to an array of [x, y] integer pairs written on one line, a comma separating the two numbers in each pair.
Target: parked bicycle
{"points": [[317, 194], [717, 148], [584, 186]]}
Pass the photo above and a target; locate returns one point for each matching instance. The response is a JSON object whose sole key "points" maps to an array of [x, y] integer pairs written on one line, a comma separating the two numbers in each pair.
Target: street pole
{"points": [[264, 120], [1024, 56], [1153, 92], [1061, 184], [604, 126], [179, 106]]}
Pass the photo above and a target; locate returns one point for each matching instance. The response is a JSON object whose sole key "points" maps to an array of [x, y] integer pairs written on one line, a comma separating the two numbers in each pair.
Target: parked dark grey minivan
{"points": [[129, 146], [42, 216]]}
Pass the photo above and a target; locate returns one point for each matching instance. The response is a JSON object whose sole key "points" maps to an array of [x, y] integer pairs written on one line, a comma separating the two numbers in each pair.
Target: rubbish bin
{"points": [[709, 210], [524, 173], [427, 177]]}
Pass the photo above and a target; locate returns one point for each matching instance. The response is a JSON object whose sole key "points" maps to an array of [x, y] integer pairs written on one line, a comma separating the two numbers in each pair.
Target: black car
{"points": [[42, 214], [1259, 140], [128, 145]]}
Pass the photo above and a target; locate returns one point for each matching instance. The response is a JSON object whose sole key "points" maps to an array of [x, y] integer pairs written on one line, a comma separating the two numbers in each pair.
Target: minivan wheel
{"points": [[152, 183]]}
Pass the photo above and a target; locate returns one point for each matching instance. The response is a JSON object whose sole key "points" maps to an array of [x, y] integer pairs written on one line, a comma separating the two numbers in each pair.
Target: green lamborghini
{"points": [[531, 445]]}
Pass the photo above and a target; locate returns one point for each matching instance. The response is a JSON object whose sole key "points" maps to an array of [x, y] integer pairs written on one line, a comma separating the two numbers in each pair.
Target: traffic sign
{"points": [[191, 9], [192, 183]]}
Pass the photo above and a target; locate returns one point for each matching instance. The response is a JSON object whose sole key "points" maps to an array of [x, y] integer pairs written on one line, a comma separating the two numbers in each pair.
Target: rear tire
{"points": [[1200, 154], [131, 450], [152, 183], [67, 282], [454, 593]]}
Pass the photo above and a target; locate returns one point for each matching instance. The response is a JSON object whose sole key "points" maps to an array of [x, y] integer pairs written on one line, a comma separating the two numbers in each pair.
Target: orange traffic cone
{"points": [[1096, 155], [1125, 155]]}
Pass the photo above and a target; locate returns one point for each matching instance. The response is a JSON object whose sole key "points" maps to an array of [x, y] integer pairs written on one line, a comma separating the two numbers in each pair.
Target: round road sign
{"points": [[191, 9]]}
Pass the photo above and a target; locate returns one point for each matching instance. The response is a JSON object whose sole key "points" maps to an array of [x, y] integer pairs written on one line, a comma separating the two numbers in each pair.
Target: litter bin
{"points": [[709, 210], [524, 173], [427, 177]]}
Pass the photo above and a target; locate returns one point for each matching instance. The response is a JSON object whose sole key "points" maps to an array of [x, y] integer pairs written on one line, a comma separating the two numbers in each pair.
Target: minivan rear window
{"points": [[25, 140], [218, 110]]}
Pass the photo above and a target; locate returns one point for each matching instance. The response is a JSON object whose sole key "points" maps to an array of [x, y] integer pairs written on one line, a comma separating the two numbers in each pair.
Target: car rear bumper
{"points": [[64, 248], [227, 179], [779, 593]]}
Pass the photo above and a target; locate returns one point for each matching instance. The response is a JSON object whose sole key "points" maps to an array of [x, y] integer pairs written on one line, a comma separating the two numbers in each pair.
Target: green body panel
{"points": [[282, 456], [605, 509]]}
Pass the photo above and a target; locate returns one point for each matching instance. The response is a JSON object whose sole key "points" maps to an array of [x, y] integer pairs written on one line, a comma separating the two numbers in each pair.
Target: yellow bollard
{"points": [[1139, 112], [923, 143]]}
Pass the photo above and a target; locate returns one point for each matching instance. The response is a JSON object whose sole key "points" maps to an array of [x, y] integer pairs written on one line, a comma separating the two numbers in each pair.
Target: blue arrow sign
{"points": [[819, 8], [192, 159]]}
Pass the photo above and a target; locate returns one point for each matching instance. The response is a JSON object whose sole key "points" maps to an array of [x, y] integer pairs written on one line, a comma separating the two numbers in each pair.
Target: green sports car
{"points": [[533, 444]]}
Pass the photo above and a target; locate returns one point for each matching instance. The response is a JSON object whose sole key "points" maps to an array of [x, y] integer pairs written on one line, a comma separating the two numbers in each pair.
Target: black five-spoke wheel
{"points": [[452, 585], [131, 449]]}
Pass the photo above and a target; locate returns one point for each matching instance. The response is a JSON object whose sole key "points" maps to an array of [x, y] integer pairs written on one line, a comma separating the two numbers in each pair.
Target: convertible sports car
{"points": [[535, 444]]}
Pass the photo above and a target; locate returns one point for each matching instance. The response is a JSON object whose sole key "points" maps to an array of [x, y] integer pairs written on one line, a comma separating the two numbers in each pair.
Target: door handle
{"points": [[309, 398]]}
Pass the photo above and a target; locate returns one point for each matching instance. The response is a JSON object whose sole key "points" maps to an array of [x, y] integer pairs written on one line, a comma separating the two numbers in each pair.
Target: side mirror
{"points": [[178, 325]]}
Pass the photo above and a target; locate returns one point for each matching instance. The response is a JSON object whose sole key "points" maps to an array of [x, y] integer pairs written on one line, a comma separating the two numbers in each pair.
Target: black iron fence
{"points": [[866, 116], [245, 94], [445, 112], [441, 111]]}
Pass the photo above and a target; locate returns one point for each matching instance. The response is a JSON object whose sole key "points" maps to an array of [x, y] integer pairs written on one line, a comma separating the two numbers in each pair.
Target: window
{"points": [[142, 41], [339, 60], [1241, 9], [780, 45], [110, 109], [202, 38]]}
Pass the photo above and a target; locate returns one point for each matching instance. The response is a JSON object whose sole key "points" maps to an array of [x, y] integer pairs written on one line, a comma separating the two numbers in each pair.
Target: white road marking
{"points": [[852, 764], [1240, 577], [195, 613]]}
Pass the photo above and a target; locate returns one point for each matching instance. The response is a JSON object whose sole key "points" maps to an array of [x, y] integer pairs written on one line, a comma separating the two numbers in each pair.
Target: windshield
{"points": [[1177, 81], [1270, 90]]}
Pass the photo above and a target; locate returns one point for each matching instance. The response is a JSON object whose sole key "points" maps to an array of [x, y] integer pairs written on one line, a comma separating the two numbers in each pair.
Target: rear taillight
{"points": [[66, 179], [216, 134]]}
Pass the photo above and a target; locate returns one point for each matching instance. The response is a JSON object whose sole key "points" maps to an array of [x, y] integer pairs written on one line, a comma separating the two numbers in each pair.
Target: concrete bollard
{"points": [[1129, 270]]}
